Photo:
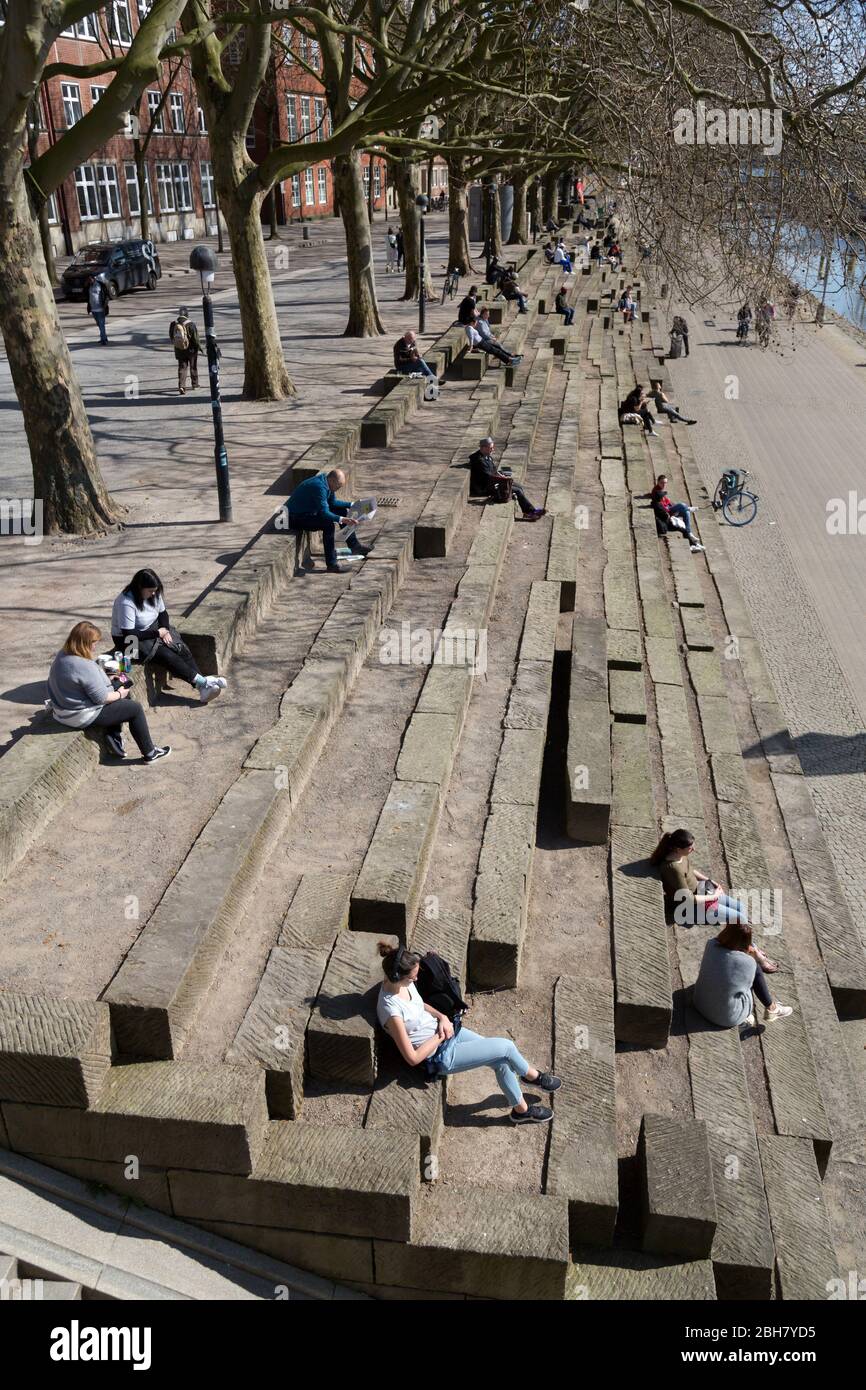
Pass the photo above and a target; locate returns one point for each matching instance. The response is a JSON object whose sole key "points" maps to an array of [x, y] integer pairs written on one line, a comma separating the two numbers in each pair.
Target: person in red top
{"points": [[664, 509]]}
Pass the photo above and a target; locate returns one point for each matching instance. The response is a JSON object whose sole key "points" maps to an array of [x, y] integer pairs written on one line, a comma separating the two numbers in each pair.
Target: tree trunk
{"points": [[459, 252], [66, 476], [495, 218], [519, 215], [406, 183], [141, 180], [266, 377], [33, 125], [549, 187], [364, 320]]}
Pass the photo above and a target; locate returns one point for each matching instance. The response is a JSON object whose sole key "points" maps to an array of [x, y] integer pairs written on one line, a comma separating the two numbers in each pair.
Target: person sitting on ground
{"points": [[551, 226], [495, 271], [627, 305], [510, 290], [664, 407], [730, 973], [635, 403], [482, 340], [665, 510], [744, 321], [82, 696], [561, 256], [547, 248], [424, 1035], [141, 630], [313, 506], [693, 895], [563, 307], [595, 252], [467, 305], [407, 358], [183, 334], [484, 474]]}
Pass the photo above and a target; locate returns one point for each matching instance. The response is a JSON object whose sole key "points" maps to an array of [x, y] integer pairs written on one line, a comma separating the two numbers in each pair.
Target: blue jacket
{"points": [[313, 497]]}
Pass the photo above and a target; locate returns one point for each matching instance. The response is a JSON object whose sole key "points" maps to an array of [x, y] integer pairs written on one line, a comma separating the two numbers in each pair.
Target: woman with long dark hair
{"points": [[729, 976], [141, 629], [422, 1034], [695, 897], [81, 696]]}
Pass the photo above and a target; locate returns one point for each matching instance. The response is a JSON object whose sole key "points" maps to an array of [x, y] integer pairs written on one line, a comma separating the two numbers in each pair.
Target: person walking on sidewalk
{"points": [[81, 696], [97, 305], [313, 506], [141, 629], [680, 326], [183, 334], [729, 975], [665, 511], [484, 474], [423, 1035], [391, 252], [401, 248]]}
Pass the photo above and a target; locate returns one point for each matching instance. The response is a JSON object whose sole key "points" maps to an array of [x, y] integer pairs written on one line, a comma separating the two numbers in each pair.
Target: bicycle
{"points": [[762, 331], [737, 505], [452, 284]]}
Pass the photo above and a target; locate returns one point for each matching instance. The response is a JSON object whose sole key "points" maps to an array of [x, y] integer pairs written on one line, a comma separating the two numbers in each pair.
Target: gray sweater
{"points": [[723, 991], [77, 688]]}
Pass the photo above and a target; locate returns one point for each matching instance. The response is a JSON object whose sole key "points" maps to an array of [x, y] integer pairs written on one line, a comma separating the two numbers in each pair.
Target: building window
{"points": [[109, 193], [132, 190], [308, 187], [305, 120], [314, 54], [302, 47], [85, 188], [182, 187], [322, 177], [119, 22], [84, 29], [208, 196], [178, 116], [71, 94], [96, 94], [367, 181], [51, 208], [377, 180], [320, 117], [153, 100], [144, 9], [296, 190], [202, 127], [291, 118], [164, 188]]}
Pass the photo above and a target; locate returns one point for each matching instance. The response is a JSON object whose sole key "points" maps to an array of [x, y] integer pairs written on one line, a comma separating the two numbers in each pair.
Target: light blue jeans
{"points": [[468, 1050], [724, 910]]}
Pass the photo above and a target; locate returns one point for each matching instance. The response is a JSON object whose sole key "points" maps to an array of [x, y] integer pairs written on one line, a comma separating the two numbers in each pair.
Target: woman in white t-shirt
{"points": [[422, 1034], [140, 628]]}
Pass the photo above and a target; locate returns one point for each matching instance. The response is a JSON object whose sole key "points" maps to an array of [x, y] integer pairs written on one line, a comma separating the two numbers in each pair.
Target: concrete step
{"points": [[640, 943], [678, 1204], [343, 1034], [806, 1262]]}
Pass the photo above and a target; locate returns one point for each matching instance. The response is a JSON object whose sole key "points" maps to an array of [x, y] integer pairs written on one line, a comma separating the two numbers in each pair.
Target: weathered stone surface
{"points": [[331, 1179], [687, 577], [805, 1258], [627, 1276], [344, 1258], [589, 660], [613, 477], [39, 773], [389, 885], [499, 925], [633, 801], [529, 701], [446, 505], [758, 681], [677, 1198], [542, 616], [657, 620], [168, 1114], [291, 746], [446, 931], [429, 745], [628, 696], [697, 630], [446, 690], [720, 735], [492, 536], [623, 650], [663, 661], [509, 836], [272, 1034], [319, 685], [682, 791], [705, 673], [405, 1098], [620, 596], [642, 966], [588, 771], [729, 777], [342, 1030], [563, 556], [518, 768], [582, 1163], [472, 1242], [155, 993], [318, 910], [52, 1051], [148, 1186]]}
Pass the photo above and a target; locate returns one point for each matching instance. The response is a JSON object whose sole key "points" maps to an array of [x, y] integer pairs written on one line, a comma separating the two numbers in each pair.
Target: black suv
{"points": [[123, 265]]}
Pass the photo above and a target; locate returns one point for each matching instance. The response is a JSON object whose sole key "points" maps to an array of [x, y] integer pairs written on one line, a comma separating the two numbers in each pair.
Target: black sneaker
{"points": [[157, 754], [362, 550], [545, 1081], [338, 569], [535, 1115]]}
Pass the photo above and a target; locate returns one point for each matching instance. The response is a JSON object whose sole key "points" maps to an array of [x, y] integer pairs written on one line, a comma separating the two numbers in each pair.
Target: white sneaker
{"points": [[218, 680], [653, 434], [749, 1022], [777, 1011], [696, 546], [209, 690]]}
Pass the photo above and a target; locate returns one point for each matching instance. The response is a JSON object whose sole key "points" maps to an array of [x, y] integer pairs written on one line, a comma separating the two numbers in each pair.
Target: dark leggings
{"points": [[177, 658], [130, 712], [759, 987]]}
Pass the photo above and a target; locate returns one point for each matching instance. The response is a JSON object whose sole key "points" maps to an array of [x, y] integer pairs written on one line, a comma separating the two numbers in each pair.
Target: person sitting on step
{"points": [[664, 407], [666, 511], [730, 974], [695, 898], [466, 307], [510, 290], [563, 307], [313, 506], [481, 339], [407, 358], [484, 474], [141, 630], [635, 405], [81, 696], [424, 1035]]}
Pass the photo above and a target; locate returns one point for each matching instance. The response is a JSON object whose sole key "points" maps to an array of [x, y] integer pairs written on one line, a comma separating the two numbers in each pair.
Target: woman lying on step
{"points": [[422, 1034], [693, 894]]}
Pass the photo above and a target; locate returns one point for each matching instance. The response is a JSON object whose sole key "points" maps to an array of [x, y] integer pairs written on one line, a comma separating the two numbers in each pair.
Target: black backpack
{"points": [[438, 986]]}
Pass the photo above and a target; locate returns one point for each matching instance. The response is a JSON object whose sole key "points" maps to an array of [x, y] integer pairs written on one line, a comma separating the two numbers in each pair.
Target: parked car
{"points": [[123, 265]]}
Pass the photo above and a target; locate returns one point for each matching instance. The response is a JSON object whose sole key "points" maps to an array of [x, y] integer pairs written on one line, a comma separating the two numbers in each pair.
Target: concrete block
{"points": [[706, 676], [388, 889], [342, 1034], [529, 701], [39, 774], [332, 1257], [518, 768], [272, 1034], [620, 597], [588, 771], [445, 509], [538, 642], [582, 1164], [628, 1276], [446, 690], [663, 661], [641, 961], [628, 696], [623, 652], [633, 801], [806, 1260], [52, 1051], [318, 910], [729, 777], [405, 1098], [678, 1203], [498, 927], [428, 751], [699, 637]]}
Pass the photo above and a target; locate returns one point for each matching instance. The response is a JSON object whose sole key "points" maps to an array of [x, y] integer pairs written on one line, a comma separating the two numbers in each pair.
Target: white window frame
{"points": [[302, 47], [208, 187], [202, 124], [309, 191], [119, 9], [314, 54], [322, 185], [96, 94], [144, 8], [159, 125], [177, 112], [85, 181], [165, 184], [109, 192], [51, 209], [365, 174], [296, 190], [182, 186], [132, 183], [377, 180], [319, 108], [71, 102], [306, 120], [83, 29], [292, 118]]}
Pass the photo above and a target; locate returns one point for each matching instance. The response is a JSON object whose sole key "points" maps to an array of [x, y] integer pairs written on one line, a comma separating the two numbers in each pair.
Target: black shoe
{"points": [[338, 569], [535, 1115], [518, 357], [361, 549], [157, 754], [545, 1080], [115, 749]]}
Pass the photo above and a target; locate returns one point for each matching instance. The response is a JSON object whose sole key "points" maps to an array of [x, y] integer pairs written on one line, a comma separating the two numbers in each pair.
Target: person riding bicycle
{"points": [[765, 316]]}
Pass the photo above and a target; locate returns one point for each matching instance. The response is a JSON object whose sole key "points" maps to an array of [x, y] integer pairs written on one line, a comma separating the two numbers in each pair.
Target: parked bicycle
{"points": [[737, 505], [452, 284]]}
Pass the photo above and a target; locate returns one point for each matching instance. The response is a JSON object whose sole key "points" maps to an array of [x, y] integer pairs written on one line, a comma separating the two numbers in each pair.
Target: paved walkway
{"points": [[156, 448]]}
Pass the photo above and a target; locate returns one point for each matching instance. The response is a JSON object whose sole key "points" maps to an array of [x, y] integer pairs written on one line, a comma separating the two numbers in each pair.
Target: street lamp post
{"points": [[422, 203], [204, 261]]}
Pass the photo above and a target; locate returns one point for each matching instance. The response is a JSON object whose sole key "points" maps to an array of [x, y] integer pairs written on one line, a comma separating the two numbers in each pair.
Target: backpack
{"points": [[180, 337], [438, 986]]}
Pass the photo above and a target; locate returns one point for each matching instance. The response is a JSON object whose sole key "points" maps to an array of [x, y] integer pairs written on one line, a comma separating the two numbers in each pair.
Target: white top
{"points": [[473, 335], [94, 294], [420, 1026], [559, 255], [126, 614], [482, 326]]}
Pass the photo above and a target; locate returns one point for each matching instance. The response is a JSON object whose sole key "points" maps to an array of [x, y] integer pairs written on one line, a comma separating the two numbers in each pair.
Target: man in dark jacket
{"points": [[184, 335], [97, 305], [314, 507], [466, 309], [563, 307], [407, 358], [484, 472]]}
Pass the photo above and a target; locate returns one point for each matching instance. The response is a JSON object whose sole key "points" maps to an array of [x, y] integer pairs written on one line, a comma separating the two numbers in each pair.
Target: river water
{"points": [[847, 270]]}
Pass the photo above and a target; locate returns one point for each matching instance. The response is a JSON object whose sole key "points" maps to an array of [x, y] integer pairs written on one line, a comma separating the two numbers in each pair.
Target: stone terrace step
{"points": [[805, 1258], [53, 1051], [343, 1035], [588, 761], [640, 943], [677, 1198], [625, 1276], [446, 505], [318, 910]]}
